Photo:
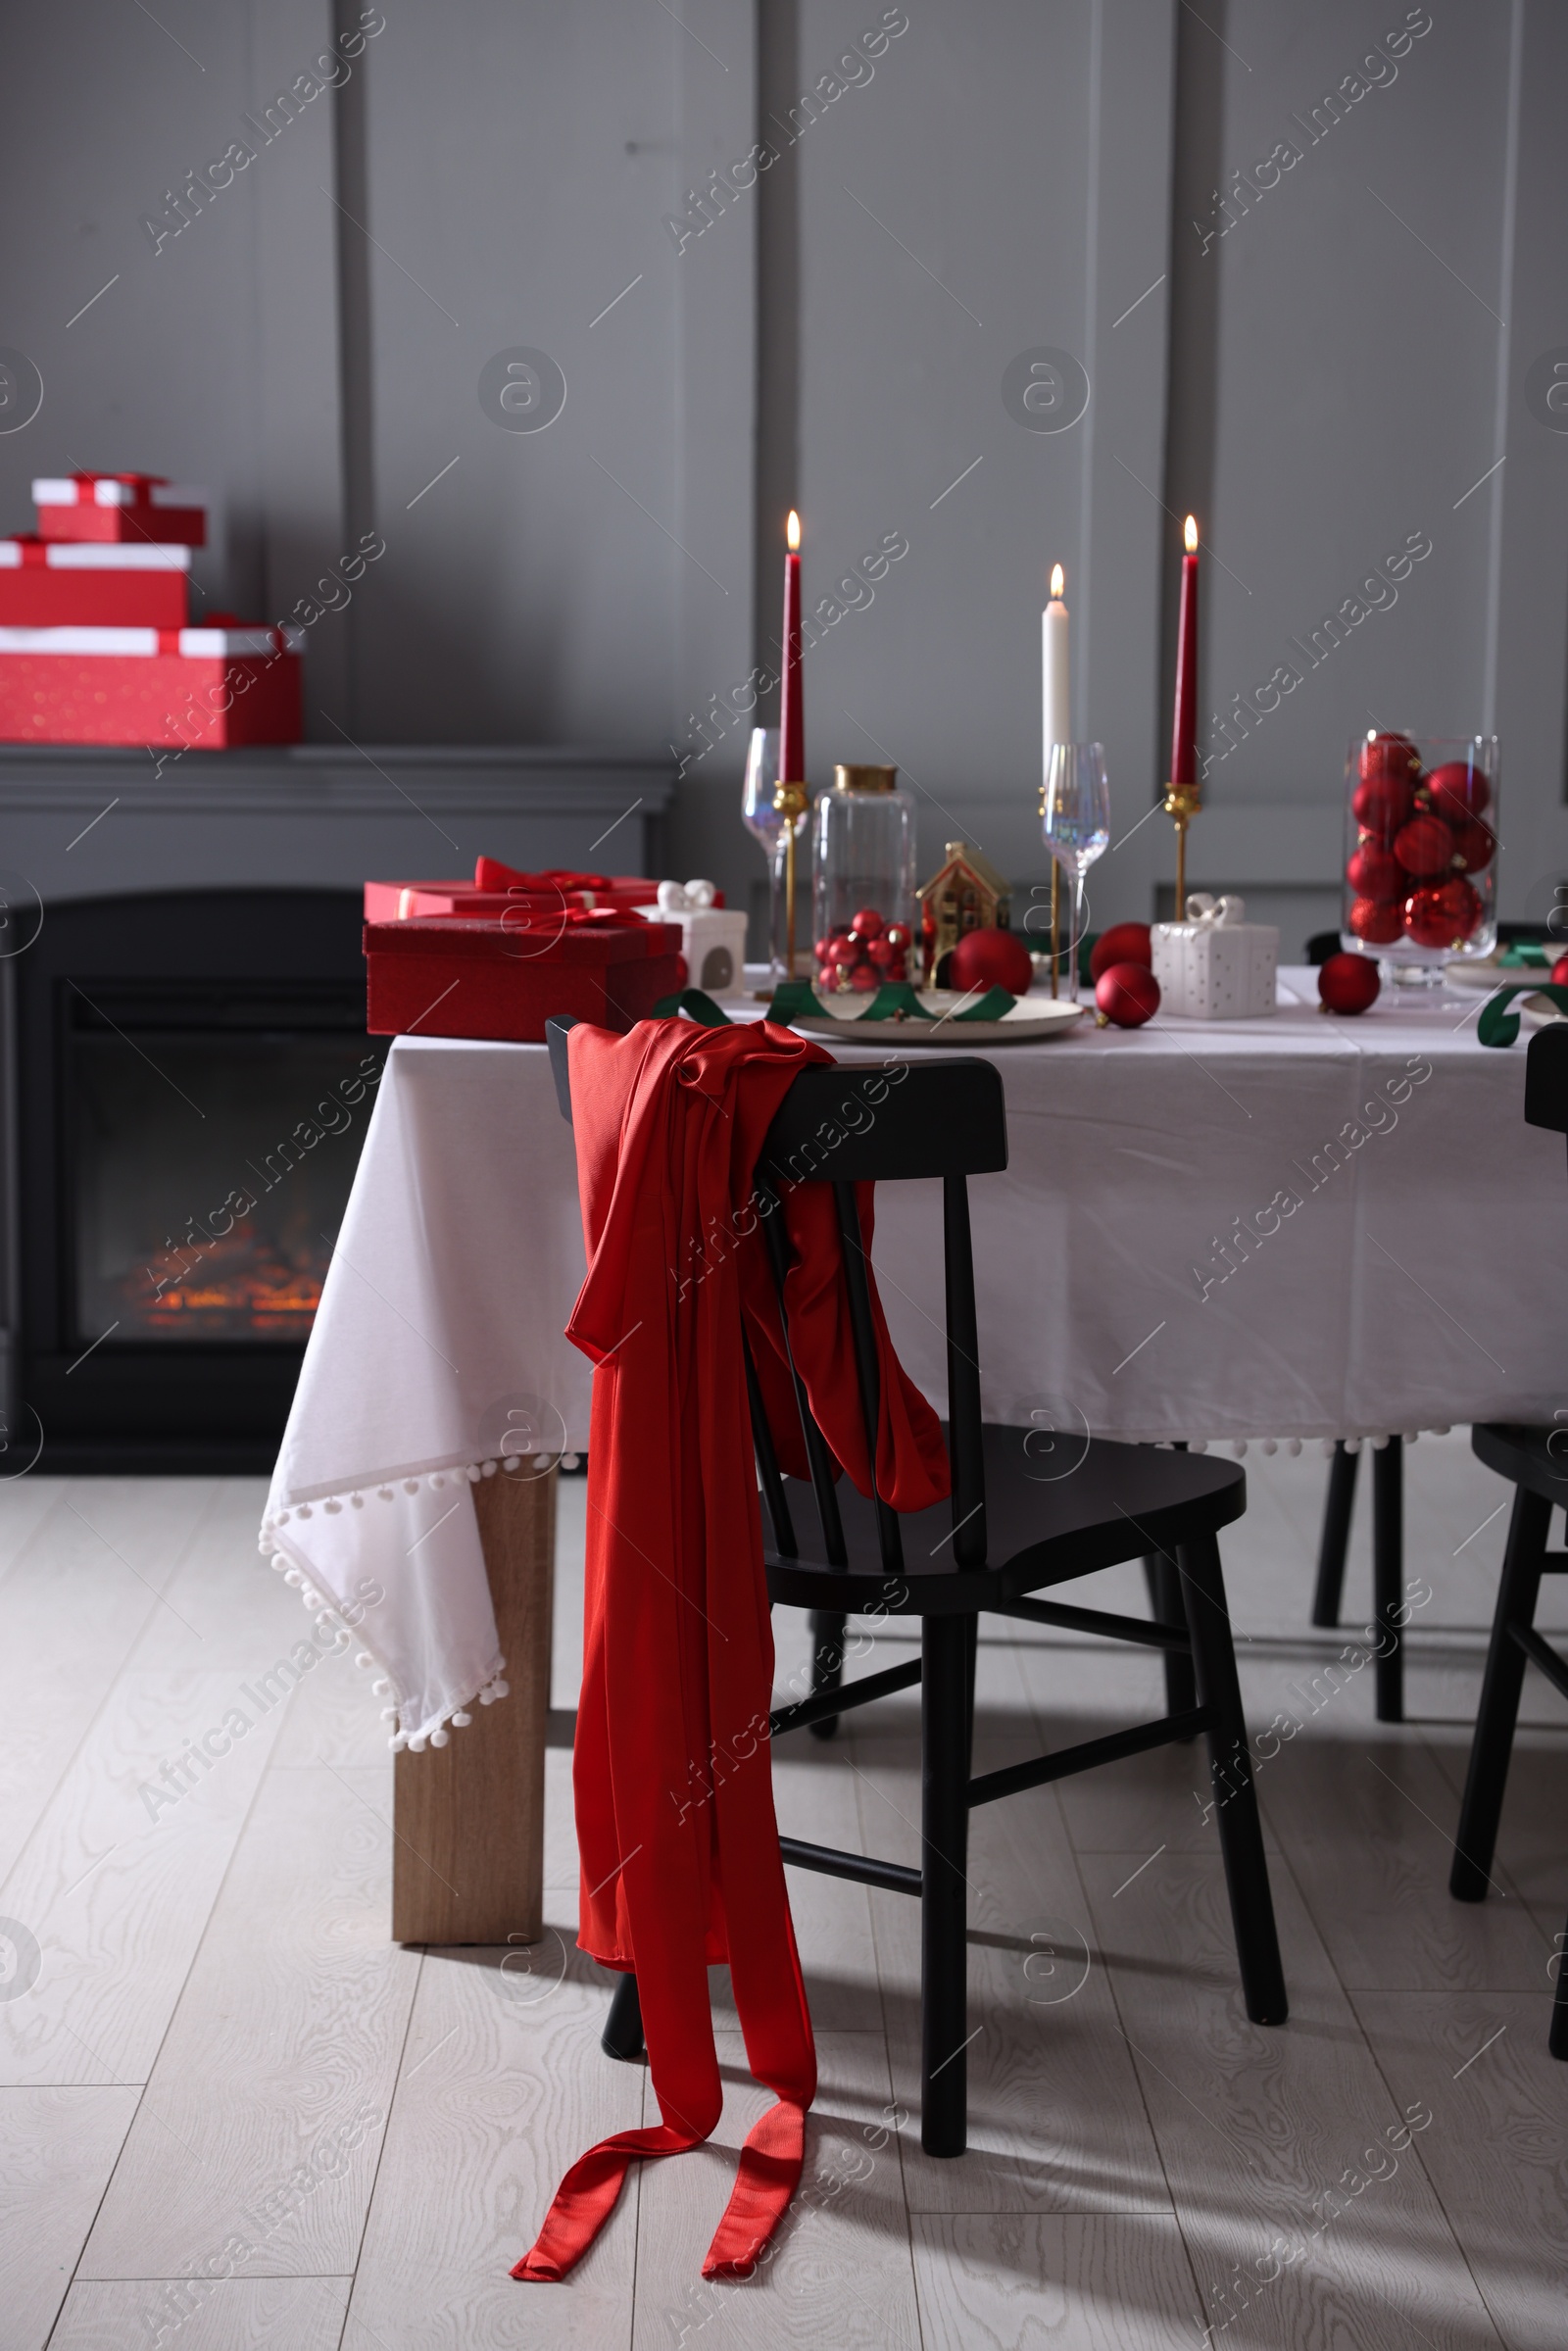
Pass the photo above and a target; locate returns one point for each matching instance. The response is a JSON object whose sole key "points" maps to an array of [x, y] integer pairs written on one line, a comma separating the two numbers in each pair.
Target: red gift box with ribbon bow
{"points": [[497, 889], [455, 975], [128, 507]]}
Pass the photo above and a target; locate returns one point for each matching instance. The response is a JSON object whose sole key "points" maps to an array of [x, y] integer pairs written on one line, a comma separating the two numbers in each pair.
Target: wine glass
{"points": [[765, 822], [1076, 819]]}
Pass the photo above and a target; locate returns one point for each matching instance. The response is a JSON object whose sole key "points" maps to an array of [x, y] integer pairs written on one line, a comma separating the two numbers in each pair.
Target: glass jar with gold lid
{"points": [[863, 881]]}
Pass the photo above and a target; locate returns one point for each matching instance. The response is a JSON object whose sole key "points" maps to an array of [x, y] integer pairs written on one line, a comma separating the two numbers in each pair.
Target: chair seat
{"points": [[1054, 1509], [1535, 1458]]}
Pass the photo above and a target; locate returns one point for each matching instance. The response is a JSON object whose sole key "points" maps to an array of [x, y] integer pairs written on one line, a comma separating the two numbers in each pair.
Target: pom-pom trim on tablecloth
{"points": [[459, 1715]]}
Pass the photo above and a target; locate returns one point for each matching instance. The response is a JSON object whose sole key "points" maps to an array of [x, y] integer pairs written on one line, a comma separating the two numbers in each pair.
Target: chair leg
{"points": [[1388, 1576], [1241, 1833], [622, 2035], [1488, 1776], [947, 1710], [1557, 2038], [1338, 1506], [1165, 1608], [827, 1663]]}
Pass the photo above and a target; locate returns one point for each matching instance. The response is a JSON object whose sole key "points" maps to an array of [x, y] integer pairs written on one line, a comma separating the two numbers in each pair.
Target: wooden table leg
{"points": [[468, 1860]]}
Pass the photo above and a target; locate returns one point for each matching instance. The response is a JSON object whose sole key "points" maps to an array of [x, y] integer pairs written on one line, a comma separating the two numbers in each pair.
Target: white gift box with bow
{"points": [[1216, 965], [713, 939]]}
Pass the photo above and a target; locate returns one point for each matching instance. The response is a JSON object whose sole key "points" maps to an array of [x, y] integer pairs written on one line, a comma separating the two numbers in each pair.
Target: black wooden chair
{"points": [[1534, 1461], [1004, 1536]]}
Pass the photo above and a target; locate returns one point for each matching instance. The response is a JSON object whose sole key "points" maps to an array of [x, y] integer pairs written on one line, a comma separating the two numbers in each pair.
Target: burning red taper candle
{"points": [[791, 727]]}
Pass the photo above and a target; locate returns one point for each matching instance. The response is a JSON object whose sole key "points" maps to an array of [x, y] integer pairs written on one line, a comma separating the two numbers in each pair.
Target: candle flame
{"points": [[792, 532], [1190, 534], [1059, 580]]}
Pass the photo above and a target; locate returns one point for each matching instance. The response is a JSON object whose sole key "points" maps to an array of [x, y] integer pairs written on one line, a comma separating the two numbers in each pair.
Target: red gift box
{"points": [[201, 689], [456, 976], [53, 584], [130, 507]]}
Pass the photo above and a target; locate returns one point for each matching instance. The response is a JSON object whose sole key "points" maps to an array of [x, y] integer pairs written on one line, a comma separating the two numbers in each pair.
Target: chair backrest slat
{"points": [[867, 1379], [966, 1447]]}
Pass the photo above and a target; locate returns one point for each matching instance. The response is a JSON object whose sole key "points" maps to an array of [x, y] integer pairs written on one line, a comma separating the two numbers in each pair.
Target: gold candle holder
{"points": [[1182, 802], [791, 801]]}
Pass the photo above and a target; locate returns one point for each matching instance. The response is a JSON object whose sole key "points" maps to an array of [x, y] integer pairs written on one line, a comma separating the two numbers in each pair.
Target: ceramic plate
{"points": [[1031, 1020]]}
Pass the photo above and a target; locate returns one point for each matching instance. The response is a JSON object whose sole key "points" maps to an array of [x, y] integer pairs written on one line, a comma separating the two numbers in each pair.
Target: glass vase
{"points": [[1420, 851]]}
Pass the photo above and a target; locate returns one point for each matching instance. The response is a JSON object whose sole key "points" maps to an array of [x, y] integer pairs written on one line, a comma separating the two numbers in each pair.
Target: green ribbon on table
{"points": [[894, 1000], [1498, 1025], [1525, 953], [795, 1000], [700, 1006]]}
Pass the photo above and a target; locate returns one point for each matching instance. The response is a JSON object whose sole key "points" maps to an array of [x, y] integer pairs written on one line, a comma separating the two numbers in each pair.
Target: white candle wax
{"points": [[1056, 694]]}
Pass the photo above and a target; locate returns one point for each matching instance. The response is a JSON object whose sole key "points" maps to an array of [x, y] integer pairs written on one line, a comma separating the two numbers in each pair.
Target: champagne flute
{"points": [[764, 820], [1076, 819]]}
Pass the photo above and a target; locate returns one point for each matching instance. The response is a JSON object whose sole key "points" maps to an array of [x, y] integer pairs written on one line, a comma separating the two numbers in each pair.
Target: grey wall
{"points": [[1318, 382]]}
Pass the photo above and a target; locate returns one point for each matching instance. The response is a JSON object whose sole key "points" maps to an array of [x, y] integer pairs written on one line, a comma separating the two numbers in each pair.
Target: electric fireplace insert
{"points": [[194, 1082]]}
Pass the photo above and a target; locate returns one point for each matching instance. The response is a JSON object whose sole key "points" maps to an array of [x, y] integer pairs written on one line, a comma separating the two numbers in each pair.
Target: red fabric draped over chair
{"points": [[676, 1831]]}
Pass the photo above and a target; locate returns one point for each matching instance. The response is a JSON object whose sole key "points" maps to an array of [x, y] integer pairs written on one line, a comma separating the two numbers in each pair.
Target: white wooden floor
{"points": [[225, 2074]]}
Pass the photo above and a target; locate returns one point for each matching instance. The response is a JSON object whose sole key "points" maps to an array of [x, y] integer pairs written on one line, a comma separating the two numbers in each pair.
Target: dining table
{"points": [[1282, 1230]]}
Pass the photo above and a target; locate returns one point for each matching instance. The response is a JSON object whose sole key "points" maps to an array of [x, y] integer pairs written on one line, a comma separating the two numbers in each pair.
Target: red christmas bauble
{"points": [[823, 948], [990, 959], [1559, 972], [841, 948], [1348, 983], [1123, 943], [1424, 846], [1381, 803], [1390, 756], [1444, 915], [1378, 924], [1457, 789], [1473, 845], [896, 936], [1127, 994], [865, 977], [880, 951], [868, 924], [1375, 873]]}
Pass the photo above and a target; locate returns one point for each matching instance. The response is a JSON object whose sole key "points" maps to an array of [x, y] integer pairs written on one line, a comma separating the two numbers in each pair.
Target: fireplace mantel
{"points": [[88, 822]]}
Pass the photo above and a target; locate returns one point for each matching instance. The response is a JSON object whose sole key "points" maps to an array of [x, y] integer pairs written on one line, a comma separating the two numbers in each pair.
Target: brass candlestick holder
{"points": [[791, 801], [1182, 802]]}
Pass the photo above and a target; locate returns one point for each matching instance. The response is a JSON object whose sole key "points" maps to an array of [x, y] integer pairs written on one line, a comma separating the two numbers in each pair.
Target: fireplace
{"points": [[194, 1083]]}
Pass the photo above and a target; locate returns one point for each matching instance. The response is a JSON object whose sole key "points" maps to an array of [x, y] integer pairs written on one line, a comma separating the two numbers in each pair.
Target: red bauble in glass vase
{"points": [[1443, 916]]}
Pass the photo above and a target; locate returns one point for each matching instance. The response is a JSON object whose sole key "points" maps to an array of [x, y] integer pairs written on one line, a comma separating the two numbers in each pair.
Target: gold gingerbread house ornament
{"points": [[966, 894]]}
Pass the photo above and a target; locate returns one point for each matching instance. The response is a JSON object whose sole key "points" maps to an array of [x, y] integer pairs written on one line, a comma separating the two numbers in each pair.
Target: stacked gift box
{"points": [[496, 957], [95, 638]]}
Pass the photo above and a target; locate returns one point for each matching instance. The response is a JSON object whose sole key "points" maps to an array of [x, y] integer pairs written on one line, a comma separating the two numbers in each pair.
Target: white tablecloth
{"points": [[1289, 1228]]}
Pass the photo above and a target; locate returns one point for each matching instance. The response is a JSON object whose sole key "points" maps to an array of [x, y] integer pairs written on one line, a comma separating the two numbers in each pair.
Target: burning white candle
{"points": [[1057, 691]]}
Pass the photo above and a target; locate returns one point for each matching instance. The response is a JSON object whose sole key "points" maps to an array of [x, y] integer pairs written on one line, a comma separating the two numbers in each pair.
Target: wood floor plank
{"points": [[76, 1600], [1369, 1825], [265, 2111], [1069, 2282], [25, 1504], [1497, 2148], [1263, 2131], [229, 2314], [839, 2269], [117, 1886], [503, 2085], [56, 2150]]}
